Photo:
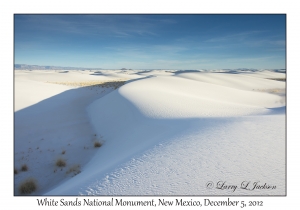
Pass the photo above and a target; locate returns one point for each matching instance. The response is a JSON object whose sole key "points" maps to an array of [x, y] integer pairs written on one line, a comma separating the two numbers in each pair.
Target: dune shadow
{"points": [[142, 72], [279, 70], [277, 110], [236, 72], [133, 80], [43, 130], [278, 79], [225, 71], [185, 71], [97, 73]]}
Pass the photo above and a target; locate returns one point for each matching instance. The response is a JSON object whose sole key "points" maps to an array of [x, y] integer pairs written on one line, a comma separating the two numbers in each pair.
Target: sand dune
{"points": [[163, 132]]}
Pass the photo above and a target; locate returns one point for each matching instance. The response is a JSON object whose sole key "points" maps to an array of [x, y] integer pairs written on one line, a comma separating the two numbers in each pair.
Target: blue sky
{"points": [[151, 41]]}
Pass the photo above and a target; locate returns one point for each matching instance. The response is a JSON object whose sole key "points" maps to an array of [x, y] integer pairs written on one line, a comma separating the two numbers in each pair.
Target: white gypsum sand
{"points": [[163, 132], [51, 123]]}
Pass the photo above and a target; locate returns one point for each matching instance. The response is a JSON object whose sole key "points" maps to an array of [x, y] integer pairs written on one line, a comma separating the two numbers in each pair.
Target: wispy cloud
{"points": [[236, 36], [121, 26]]}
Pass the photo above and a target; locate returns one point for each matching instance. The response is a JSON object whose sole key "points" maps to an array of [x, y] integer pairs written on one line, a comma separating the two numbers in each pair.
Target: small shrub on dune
{"points": [[60, 163], [15, 171], [97, 144], [28, 186], [63, 152], [74, 169], [24, 167]]}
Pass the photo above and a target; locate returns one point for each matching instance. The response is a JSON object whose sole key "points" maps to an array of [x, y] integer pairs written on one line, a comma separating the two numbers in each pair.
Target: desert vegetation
{"points": [[28, 186], [115, 83], [273, 90], [24, 167], [74, 169], [97, 144], [60, 162]]}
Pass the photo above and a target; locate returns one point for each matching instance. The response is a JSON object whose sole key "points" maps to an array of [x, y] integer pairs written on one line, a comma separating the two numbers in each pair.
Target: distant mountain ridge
{"points": [[37, 67]]}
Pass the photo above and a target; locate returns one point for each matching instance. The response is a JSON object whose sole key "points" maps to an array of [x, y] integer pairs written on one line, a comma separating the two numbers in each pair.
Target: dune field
{"points": [[150, 132]]}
